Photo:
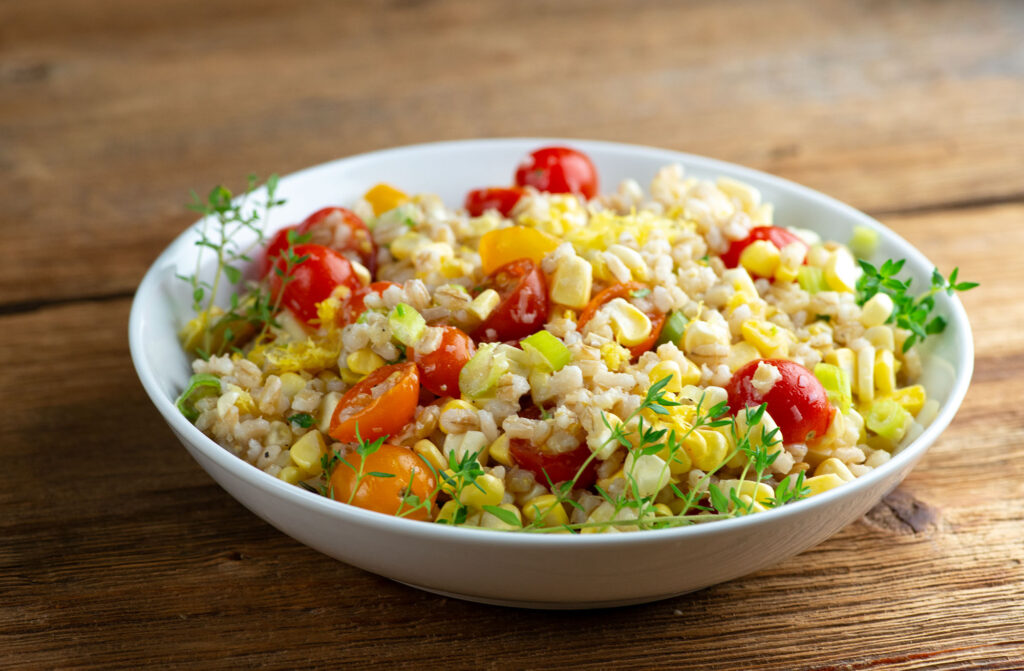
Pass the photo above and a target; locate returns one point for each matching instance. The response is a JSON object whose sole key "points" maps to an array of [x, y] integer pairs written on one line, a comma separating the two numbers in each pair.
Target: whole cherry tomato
{"points": [[625, 291], [278, 243], [380, 404], [312, 281], [797, 401], [355, 304], [388, 475], [558, 170], [523, 307], [502, 199], [342, 230], [439, 370], [779, 237]]}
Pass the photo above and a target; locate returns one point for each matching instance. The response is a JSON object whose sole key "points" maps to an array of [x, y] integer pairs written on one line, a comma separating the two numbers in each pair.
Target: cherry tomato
{"points": [[797, 402], [380, 404], [524, 302], [355, 305], [278, 243], [313, 280], [342, 230], [409, 475], [625, 291], [559, 467], [439, 370], [779, 237], [502, 199], [558, 170]]}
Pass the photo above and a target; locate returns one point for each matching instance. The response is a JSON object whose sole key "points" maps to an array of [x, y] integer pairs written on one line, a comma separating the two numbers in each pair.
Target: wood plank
{"points": [[118, 550], [113, 112]]}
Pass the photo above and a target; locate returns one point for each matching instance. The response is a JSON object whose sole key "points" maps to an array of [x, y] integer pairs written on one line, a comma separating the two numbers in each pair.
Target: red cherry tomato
{"points": [[779, 237], [312, 281], [278, 243], [558, 467], [380, 404], [797, 402], [343, 231], [625, 291], [558, 170], [355, 305], [502, 199], [439, 370], [523, 307]]}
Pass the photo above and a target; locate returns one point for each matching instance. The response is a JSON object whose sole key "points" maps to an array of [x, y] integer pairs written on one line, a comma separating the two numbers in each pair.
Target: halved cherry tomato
{"points": [[624, 291], [379, 405], [311, 281], [560, 466], [797, 402], [499, 198], [401, 472], [355, 305], [342, 230], [779, 237], [524, 302], [439, 370], [558, 170]]}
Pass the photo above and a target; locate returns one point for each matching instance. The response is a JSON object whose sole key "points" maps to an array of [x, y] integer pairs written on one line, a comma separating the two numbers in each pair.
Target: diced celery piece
{"points": [[199, 386], [811, 279], [888, 419], [407, 325], [550, 349], [836, 384], [673, 329], [480, 375], [864, 242]]}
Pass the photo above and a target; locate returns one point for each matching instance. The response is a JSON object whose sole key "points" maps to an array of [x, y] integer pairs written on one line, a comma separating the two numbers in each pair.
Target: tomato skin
{"points": [[313, 280], [624, 290], [779, 237], [439, 370], [381, 494], [278, 244], [558, 467], [797, 402], [524, 302], [558, 170], [384, 415], [499, 198], [355, 304], [325, 227]]}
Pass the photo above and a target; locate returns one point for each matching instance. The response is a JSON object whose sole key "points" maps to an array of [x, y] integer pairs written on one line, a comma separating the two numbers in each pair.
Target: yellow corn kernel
{"points": [[630, 325], [572, 282], [614, 355], [689, 373], [791, 257], [769, 339], [429, 451], [755, 506], [679, 461], [668, 369], [548, 509], [291, 384], [305, 453], [631, 259], [465, 444], [841, 271], [662, 510], [866, 374], [327, 406], [885, 372], [761, 492], [404, 245], [740, 354], [845, 358], [485, 490], [447, 482], [489, 521], [384, 197], [447, 513], [823, 483], [741, 281], [364, 361], [707, 448], [749, 198], [452, 267], [760, 257], [484, 304], [456, 404], [910, 399], [349, 377], [291, 475], [833, 465], [876, 310], [649, 473], [881, 337], [361, 272]]}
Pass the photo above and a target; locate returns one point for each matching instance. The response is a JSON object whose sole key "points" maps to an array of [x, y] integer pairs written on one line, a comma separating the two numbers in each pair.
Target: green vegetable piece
{"points": [[836, 383], [864, 242], [480, 375], [550, 349], [199, 386], [811, 279], [888, 419], [673, 329], [407, 325]]}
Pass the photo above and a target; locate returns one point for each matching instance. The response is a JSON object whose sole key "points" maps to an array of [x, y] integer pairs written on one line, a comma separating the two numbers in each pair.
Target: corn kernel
{"points": [[740, 354], [305, 453], [760, 257], [689, 373], [845, 359], [468, 443], [841, 271], [548, 509], [876, 310], [447, 512], [404, 245], [707, 449], [823, 483], [484, 304], [327, 406], [769, 339], [384, 197], [679, 461], [499, 450], [910, 398], [649, 473], [291, 475], [364, 361], [790, 259], [741, 281], [631, 259], [291, 384], [349, 377], [750, 504], [866, 374], [489, 521], [485, 490], [885, 372], [669, 369], [456, 404], [749, 198], [631, 326], [833, 465], [361, 272], [429, 451], [572, 282], [761, 492], [881, 337]]}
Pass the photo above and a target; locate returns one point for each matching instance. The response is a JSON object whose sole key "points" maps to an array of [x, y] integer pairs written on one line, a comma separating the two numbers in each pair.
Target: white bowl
{"points": [[544, 571]]}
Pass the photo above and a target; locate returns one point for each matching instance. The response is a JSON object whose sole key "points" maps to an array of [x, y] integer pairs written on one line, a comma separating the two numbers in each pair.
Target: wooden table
{"points": [[117, 550]]}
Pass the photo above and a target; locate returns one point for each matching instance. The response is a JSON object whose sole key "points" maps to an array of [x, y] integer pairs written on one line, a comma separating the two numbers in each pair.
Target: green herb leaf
{"points": [[506, 516], [303, 419]]}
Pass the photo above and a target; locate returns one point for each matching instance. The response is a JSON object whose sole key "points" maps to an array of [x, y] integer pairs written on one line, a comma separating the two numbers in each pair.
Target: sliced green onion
{"points": [[550, 349], [407, 325], [480, 375], [673, 329], [888, 419], [864, 242], [811, 279], [836, 384], [199, 386]]}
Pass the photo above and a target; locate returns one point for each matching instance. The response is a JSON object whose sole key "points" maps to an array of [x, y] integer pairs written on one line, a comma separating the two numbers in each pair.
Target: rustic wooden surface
{"points": [[117, 550]]}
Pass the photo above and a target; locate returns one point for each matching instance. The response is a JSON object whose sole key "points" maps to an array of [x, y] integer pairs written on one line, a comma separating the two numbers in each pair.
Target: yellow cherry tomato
{"points": [[505, 245]]}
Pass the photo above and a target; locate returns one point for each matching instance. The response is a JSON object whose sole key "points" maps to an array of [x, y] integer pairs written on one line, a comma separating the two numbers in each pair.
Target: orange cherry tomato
{"points": [[502, 199], [439, 370], [355, 304], [380, 404], [505, 245], [389, 475], [311, 281], [625, 291]]}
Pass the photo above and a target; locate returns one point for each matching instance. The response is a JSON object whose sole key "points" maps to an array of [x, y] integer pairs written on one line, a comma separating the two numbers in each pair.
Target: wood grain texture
{"points": [[118, 551]]}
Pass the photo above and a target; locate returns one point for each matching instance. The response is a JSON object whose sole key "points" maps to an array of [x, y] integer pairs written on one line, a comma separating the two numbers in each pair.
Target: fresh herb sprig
{"points": [[909, 312]]}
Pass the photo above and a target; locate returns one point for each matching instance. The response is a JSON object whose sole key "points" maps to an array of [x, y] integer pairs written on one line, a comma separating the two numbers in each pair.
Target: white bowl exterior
{"points": [[519, 569]]}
